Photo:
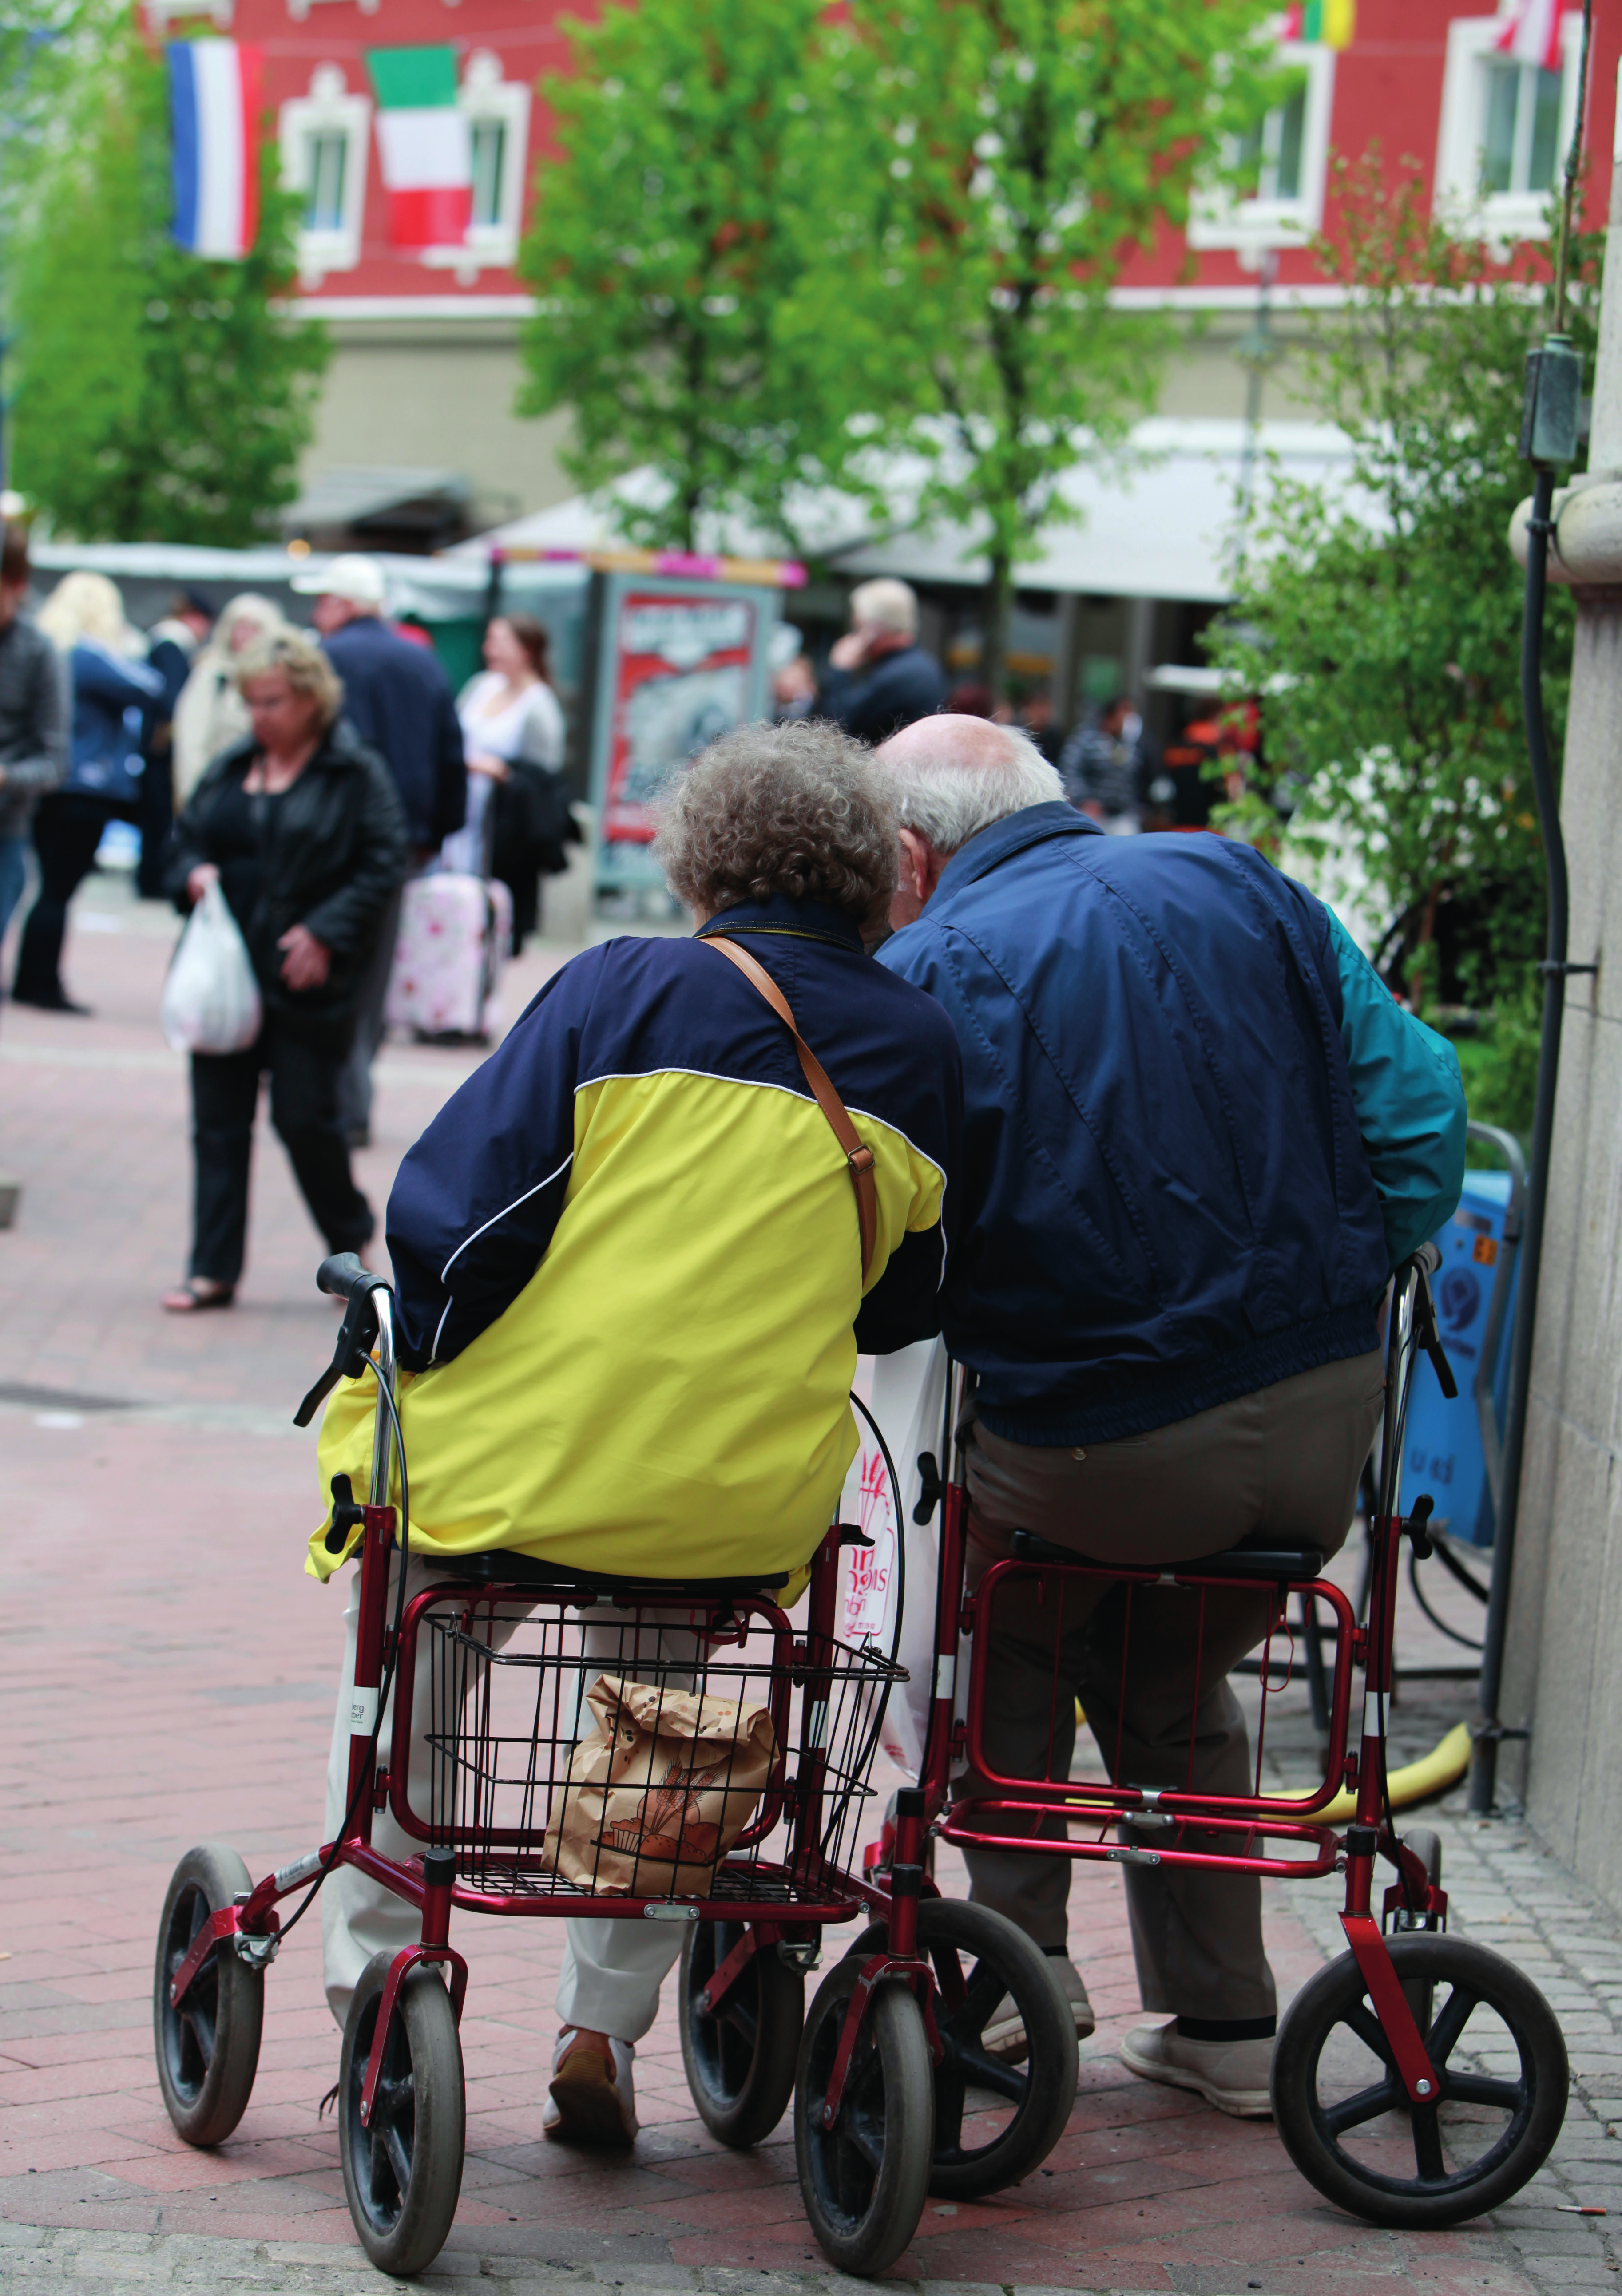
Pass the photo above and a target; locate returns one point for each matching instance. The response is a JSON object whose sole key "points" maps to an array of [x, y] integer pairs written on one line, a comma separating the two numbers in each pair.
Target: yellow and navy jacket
{"points": [[627, 1262]]}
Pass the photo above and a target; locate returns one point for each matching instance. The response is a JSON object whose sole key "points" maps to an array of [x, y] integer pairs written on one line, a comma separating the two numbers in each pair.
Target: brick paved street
{"points": [[169, 1674]]}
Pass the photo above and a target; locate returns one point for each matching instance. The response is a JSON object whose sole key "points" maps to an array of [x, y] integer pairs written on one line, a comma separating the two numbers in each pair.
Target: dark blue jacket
{"points": [[872, 704], [398, 700], [1197, 1132], [114, 703]]}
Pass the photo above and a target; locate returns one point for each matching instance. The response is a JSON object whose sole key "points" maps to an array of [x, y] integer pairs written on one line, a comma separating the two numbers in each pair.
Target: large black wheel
{"points": [[865, 2180], [993, 2122], [208, 2044], [403, 2174], [740, 2060], [1345, 2117]]}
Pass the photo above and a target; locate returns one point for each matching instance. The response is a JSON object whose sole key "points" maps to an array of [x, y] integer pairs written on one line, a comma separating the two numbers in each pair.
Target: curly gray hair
{"points": [[796, 809]]}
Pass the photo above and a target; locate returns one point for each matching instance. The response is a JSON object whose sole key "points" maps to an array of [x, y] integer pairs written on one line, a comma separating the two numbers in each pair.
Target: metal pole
{"points": [[1483, 1770]]}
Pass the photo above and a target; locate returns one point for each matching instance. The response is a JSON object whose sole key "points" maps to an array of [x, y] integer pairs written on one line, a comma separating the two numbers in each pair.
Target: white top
{"points": [[531, 728]]}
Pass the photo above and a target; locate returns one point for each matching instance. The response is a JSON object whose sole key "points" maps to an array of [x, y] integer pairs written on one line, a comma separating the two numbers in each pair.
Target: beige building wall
{"points": [[433, 394]]}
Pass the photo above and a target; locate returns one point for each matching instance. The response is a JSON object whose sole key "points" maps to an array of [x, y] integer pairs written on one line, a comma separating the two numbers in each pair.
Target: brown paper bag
{"points": [[659, 1790]]}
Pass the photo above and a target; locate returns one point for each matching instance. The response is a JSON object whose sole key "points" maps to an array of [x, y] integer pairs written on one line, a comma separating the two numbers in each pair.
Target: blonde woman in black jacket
{"points": [[301, 827]]}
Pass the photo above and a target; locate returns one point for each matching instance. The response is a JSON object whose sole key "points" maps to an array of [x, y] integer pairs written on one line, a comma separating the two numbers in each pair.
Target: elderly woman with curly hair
{"points": [[635, 1260], [299, 826]]}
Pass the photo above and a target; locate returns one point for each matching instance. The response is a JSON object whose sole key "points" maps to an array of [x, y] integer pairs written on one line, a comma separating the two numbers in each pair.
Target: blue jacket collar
{"points": [[1034, 824], [779, 914]]}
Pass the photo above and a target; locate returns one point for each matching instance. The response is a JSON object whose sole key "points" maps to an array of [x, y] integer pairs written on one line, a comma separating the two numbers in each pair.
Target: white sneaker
{"points": [[1232, 2075], [1004, 2037], [591, 2102]]}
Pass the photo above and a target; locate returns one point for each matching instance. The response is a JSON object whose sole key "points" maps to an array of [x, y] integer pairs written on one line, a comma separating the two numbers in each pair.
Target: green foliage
{"points": [[1387, 652], [160, 398], [1024, 149], [669, 237], [776, 240]]}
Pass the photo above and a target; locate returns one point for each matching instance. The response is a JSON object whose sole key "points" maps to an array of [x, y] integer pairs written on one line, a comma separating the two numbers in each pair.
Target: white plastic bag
{"points": [[211, 1001], [906, 1392]]}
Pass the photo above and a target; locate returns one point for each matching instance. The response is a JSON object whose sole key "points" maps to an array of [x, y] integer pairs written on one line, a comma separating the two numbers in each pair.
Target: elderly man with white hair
{"points": [[1198, 1133], [880, 679]]}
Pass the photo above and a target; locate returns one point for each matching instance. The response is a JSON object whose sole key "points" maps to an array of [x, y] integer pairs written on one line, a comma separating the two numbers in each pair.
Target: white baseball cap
{"points": [[358, 580]]}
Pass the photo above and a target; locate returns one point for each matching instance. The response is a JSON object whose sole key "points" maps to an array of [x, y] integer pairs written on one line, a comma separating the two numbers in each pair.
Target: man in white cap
{"points": [[398, 700]]}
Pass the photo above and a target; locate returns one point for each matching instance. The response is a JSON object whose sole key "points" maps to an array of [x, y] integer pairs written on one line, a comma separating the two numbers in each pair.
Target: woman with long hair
{"points": [[518, 817], [115, 696]]}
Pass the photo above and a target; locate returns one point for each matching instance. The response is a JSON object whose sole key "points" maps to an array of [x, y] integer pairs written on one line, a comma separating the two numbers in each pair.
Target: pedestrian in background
{"points": [[299, 826], [880, 679], [33, 718], [1105, 766], [1036, 716], [398, 700], [172, 646], [115, 697], [518, 824], [211, 713]]}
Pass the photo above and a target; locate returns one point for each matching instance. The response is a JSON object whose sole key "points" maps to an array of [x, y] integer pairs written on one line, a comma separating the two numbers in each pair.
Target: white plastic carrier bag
{"points": [[211, 1001], [906, 1392]]}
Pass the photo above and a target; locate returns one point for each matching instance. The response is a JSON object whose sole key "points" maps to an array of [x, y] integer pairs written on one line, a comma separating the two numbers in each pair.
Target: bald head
{"points": [[950, 777]]}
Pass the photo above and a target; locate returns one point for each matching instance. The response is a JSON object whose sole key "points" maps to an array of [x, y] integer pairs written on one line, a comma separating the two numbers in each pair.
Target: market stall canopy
{"points": [[1157, 520]]}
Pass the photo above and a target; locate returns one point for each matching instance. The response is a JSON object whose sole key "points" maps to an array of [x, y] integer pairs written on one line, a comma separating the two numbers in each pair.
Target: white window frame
{"points": [[484, 96], [161, 13], [1217, 220], [1458, 200], [329, 109]]}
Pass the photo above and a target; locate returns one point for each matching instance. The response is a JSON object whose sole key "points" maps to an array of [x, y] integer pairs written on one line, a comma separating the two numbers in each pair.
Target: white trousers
{"points": [[611, 1970]]}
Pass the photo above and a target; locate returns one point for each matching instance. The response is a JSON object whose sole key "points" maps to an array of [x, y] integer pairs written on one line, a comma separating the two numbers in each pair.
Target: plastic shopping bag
{"points": [[906, 1392], [211, 1001]]}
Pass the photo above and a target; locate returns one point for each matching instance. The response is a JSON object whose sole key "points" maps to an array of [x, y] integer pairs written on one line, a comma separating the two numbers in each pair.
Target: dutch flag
{"points": [[214, 111]]}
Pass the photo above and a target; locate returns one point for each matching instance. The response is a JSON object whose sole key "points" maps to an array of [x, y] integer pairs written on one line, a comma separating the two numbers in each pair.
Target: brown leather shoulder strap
{"points": [[859, 1158]]}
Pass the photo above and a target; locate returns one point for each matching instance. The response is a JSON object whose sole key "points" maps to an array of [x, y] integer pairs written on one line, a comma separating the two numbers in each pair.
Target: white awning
{"points": [[1159, 522]]}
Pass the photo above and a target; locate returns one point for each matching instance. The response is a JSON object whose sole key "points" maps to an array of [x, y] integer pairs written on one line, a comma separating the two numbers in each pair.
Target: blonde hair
{"points": [[266, 616], [885, 604], [86, 606], [300, 661]]}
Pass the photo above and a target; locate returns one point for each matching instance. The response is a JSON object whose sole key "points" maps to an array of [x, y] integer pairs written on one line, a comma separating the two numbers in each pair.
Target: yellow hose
{"points": [[1442, 1767]]}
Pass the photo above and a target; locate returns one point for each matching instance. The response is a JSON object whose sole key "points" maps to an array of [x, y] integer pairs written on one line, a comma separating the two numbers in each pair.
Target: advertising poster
{"points": [[679, 664]]}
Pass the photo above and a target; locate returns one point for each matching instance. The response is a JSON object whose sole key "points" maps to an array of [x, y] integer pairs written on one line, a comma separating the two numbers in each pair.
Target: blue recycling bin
{"points": [[1452, 1449]]}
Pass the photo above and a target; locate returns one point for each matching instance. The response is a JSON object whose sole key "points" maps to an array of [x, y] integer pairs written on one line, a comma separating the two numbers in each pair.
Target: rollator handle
{"points": [[1424, 1330], [344, 1278]]}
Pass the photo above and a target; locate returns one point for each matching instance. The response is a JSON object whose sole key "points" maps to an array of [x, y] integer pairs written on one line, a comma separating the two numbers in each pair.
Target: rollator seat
{"points": [[1252, 1558], [496, 1567]]}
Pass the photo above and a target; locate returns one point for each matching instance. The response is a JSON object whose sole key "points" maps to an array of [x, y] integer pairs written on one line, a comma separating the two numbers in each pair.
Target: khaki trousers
{"points": [[1284, 1462]]}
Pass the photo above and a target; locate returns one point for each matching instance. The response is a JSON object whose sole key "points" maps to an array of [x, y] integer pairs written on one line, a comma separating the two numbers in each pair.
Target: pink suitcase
{"points": [[454, 933]]}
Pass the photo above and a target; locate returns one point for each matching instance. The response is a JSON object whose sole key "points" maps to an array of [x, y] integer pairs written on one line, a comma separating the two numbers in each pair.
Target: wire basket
{"points": [[766, 1819]]}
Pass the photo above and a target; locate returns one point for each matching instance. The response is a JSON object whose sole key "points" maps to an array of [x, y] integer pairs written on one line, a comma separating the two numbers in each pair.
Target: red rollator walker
{"points": [[894, 2095], [1417, 2080]]}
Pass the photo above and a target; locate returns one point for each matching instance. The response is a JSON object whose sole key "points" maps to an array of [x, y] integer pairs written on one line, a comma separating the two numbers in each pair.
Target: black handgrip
{"points": [[343, 1274], [1427, 1259]]}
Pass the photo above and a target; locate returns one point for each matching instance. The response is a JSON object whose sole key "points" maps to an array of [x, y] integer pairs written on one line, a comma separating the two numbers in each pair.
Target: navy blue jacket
{"points": [[1197, 1132], [398, 700], [898, 689], [114, 702]]}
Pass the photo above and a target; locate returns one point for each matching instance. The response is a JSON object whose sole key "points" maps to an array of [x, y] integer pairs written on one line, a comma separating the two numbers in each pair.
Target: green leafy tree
{"points": [[1381, 618], [160, 397], [670, 234], [999, 163]]}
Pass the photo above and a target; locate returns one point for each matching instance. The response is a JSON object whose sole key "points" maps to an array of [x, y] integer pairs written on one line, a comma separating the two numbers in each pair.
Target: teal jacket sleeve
{"points": [[1409, 1100]]}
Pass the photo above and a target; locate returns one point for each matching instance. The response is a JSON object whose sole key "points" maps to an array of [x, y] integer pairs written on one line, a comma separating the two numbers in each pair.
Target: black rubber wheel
{"points": [[864, 2181], [740, 2061], [403, 2175], [994, 2123], [1346, 2119], [208, 2047]]}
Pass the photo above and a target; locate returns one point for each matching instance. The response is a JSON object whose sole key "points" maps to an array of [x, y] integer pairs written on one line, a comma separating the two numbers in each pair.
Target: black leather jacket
{"points": [[337, 852]]}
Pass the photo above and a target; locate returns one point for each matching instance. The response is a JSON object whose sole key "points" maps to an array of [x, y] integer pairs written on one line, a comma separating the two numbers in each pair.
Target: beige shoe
{"points": [[591, 2102], [1004, 2037], [1231, 2075]]}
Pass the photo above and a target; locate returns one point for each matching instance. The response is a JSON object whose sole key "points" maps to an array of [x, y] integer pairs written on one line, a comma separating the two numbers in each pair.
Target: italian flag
{"points": [[1331, 22], [422, 145]]}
